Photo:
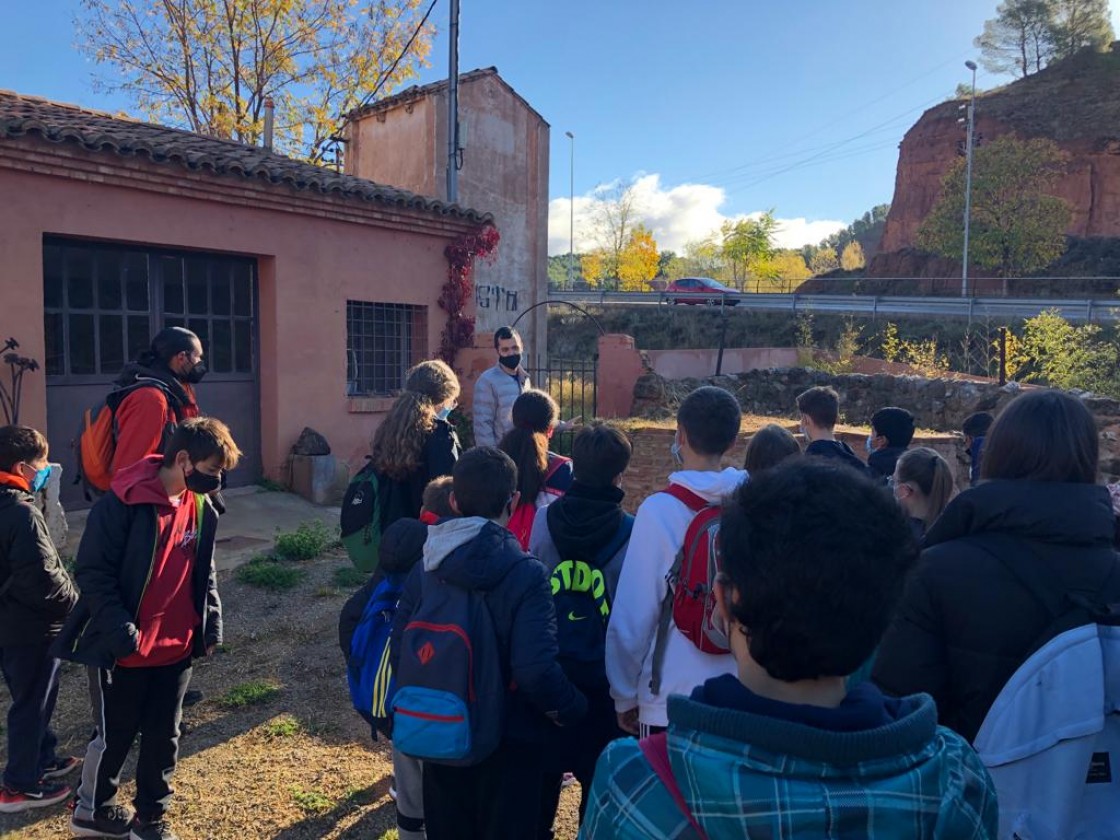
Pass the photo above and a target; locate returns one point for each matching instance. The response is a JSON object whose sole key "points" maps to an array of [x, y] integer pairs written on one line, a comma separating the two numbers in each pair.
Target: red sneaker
{"points": [[43, 795]]}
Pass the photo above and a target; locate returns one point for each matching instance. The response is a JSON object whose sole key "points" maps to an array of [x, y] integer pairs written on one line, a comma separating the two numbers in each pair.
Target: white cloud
{"points": [[676, 215]]}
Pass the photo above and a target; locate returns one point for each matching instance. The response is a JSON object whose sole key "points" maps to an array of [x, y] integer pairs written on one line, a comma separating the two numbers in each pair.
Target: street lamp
{"points": [[971, 125], [572, 212]]}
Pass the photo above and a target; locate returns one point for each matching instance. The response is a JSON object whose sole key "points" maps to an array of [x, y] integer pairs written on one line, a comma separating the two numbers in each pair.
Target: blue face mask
{"points": [[444, 413], [41, 478], [869, 445]]}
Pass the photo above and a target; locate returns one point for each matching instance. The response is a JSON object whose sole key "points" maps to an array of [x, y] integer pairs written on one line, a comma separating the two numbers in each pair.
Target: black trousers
{"points": [[499, 799], [127, 702], [32, 677]]}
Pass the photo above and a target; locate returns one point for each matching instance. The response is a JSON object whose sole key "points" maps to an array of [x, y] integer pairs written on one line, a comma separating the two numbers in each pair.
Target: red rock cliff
{"points": [[1076, 103]]}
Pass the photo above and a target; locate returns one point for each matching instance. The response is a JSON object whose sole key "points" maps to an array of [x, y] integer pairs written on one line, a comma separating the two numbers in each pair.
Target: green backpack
{"points": [[360, 521]]}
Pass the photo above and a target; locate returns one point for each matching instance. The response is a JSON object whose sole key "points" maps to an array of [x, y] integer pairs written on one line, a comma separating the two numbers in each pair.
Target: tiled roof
{"points": [[416, 92], [100, 132]]}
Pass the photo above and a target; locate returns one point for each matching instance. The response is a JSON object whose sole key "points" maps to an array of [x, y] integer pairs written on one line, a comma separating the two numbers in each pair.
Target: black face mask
{"points": [[512, 361], [195, 374], [200, 482]]}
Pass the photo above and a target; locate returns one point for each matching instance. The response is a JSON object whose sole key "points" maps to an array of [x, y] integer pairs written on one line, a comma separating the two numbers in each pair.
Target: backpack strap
{"points": [[620, 538], [695, 503], [655, 748]]}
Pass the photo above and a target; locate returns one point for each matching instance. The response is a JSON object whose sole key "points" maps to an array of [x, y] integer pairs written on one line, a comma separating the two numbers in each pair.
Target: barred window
{"points": [[383, 340]]}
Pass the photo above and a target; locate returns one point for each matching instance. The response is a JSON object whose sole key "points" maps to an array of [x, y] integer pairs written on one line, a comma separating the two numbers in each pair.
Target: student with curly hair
{"points": [[542, 476], [415, 443]]}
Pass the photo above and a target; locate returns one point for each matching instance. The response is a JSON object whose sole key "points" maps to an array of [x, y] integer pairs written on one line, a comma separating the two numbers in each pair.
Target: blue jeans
{"points": [[32, 677]]}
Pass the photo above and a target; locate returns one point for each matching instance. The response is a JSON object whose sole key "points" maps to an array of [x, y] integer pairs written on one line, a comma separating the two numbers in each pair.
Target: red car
{"points": [[700, 290]]}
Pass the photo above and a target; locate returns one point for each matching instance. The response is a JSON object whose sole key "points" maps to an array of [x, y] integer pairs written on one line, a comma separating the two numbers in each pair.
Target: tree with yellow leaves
{"points": [[593, 266], [209, 65], [638, 263], [852, 259]]}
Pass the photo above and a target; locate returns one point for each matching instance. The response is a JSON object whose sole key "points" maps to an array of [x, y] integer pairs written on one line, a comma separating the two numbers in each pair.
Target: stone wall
{"points": [[939, 405]]}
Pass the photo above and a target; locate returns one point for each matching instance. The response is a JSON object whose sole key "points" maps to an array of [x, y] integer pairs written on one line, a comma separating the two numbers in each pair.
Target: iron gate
{"points": [[574, 384]]}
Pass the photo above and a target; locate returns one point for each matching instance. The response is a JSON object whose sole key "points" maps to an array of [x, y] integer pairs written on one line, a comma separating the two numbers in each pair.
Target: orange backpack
{"points": [[96, 442]]}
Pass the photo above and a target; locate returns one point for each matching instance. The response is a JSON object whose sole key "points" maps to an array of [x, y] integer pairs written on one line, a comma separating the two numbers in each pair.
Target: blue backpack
{"points": [[450, 694], [368, 671]]}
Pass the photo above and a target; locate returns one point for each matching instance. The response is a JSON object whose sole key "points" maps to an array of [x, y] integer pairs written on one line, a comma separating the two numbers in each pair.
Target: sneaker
{"points": [[155, 830], [108, 821], [60, 767], [41, 795]]}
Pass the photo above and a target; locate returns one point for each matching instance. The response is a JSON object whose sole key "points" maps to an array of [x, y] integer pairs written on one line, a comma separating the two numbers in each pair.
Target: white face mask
{"points": [[675, 450]]}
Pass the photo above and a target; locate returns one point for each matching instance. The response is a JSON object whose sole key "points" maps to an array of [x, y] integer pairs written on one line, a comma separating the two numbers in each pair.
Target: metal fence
{"points": [[574, 384]]}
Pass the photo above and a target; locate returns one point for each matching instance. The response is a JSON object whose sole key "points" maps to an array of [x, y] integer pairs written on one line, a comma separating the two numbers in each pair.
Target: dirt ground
{"points": [[298, 765]]}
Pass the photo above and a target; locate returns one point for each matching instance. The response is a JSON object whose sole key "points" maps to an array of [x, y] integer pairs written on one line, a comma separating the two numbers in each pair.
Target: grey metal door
{"points": [[102, 305]]}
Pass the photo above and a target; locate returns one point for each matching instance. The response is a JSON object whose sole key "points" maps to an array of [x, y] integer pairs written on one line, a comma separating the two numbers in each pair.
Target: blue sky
{"points": [[720, 107]]}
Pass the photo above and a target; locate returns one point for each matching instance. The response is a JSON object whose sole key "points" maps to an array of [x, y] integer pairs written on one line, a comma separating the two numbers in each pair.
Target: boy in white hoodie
{"points": [[708, 422]]}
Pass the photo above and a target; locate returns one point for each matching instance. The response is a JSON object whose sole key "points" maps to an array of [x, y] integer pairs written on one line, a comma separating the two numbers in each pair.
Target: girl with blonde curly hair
{"points": [[415, 443]]}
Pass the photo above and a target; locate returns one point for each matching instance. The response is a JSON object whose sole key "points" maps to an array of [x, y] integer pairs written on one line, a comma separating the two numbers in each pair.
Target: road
{"points": [[997, 309]]}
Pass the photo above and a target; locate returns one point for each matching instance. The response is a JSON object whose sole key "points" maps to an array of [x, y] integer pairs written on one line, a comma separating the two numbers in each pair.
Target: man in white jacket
{"points": [[498, 389], [708, 423]]}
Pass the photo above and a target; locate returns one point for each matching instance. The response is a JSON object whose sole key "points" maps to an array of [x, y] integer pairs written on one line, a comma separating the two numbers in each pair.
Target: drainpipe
{"points": [[269, 114]]}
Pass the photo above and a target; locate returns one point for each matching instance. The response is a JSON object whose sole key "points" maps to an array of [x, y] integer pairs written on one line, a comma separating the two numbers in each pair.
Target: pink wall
{"points": [[620, 365], [311, 261], [687, 364]]}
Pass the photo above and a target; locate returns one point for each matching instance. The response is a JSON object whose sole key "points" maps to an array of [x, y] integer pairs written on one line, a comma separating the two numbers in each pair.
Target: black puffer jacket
{"points": [[403, 499], [966, 623], [480, 555], [36, 594]]}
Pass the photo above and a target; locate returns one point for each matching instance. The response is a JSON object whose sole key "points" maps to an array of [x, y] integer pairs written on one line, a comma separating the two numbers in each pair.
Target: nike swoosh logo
{"points": [[573, 617]]}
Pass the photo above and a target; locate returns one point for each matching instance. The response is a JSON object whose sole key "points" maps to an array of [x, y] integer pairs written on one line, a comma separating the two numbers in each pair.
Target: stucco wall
{"points": [[505, 172], [309, 267]]}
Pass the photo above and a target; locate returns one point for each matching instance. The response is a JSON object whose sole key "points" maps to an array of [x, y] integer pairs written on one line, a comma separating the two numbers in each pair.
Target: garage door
{"points": [[102, 305]]}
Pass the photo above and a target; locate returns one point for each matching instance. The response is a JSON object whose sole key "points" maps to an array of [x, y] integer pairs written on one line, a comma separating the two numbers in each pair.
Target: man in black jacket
{"points": [[819, 408], [149, 606], [892, 430], [36, 595], [498, 798]]}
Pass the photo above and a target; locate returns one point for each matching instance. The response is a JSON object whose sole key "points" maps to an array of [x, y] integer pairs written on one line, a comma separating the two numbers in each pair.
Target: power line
{"points": [[387, 74]]}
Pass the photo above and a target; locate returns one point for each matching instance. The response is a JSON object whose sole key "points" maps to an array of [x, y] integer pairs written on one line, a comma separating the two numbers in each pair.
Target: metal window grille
{"points": [[574, 384], [383, 340]]}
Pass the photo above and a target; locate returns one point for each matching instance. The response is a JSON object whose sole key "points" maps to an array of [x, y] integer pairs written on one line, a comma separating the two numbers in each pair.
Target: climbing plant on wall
{"points": [[456, 293]]}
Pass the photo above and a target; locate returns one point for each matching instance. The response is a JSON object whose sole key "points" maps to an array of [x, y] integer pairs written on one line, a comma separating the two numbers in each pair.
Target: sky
{"points": [[714, 109]]}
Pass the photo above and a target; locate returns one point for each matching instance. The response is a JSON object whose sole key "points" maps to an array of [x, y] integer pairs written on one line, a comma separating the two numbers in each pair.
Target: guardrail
{"points": [[1087, 309]]}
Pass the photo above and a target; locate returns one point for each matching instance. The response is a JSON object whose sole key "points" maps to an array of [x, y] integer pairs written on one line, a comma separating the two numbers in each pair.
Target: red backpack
{"points": [[691, 599], [521, 523]]}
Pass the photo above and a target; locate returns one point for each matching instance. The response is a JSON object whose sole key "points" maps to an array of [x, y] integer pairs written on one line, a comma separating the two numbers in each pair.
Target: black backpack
{"points": [[360, 519], [579, 591]]}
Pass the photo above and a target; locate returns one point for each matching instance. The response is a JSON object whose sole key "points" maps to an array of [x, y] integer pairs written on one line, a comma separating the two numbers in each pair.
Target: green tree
{"points": [[824, 261], [1017, 227], [210, 65], [852, 257], [1019, 39], [1066, 356], [704, 258], [1079, 23], [866, 230], [664, 260], [616, 215], [747, 245]]}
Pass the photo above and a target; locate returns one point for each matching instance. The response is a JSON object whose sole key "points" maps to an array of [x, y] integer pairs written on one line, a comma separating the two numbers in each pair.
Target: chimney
{"points": [[269, 112]]}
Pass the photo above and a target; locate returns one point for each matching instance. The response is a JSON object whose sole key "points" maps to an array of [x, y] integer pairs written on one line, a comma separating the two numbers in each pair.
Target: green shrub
{"points": [[284, 726], [311, 801], [266, 573], [307, 542], [250, 693], [347, 577]]}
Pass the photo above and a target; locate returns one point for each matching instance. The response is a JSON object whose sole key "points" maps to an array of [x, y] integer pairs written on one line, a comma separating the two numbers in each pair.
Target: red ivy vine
{"points": [[456, 293]]}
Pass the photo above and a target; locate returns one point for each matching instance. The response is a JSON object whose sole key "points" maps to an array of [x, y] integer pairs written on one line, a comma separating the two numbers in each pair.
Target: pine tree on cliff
{"points": [[1026, 35]]}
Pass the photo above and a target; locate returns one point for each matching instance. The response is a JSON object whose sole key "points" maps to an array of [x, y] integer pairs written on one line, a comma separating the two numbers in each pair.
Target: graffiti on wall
{"points": [[496, 298]]}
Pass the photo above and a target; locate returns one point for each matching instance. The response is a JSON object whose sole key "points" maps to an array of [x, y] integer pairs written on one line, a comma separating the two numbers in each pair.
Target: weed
{"points": [[307, 542], [284, 726], [250, 693], [311, 801], [391, 834], [327, 592], [271, 486], [268, 574], [347, 577]]}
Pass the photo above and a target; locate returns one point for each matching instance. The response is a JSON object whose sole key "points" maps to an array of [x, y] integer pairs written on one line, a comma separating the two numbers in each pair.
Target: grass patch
{"points": [[311, 801], [251, 693], [391, 834], [271, 486], [284, 726], [306, 542], [266, 573], [347, 577]]}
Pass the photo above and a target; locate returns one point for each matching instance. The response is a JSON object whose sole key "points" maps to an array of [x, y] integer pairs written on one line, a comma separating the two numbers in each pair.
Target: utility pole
{"points": [[453, 108], [970, 130], [572, 213]]}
